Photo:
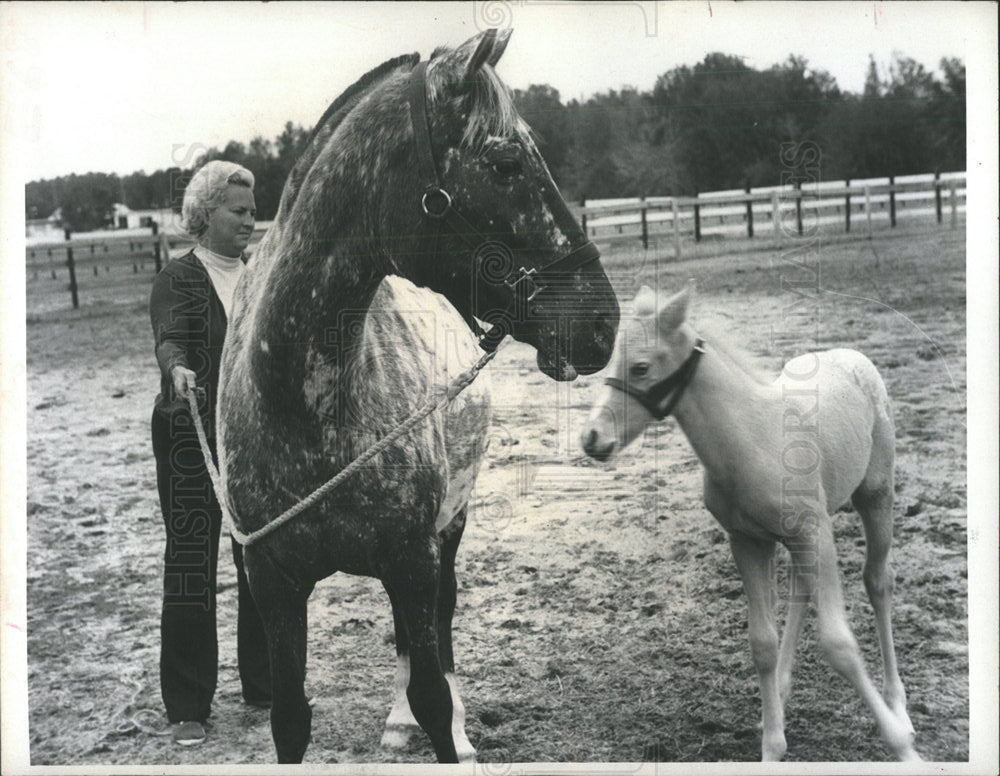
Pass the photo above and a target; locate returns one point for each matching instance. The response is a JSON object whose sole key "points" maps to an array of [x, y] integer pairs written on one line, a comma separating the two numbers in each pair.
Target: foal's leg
{"points": [[282, 606], [836, 640], [753, 558], [413, 579], [875, 508], [447, 596], [798, 606]]}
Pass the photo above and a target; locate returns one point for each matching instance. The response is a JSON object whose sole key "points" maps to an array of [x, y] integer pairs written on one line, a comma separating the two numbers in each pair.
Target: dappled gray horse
{"points": [[424, 172]]}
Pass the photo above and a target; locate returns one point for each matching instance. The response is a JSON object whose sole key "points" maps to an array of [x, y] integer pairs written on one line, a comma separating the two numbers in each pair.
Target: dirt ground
{"points": [[600, 615]]}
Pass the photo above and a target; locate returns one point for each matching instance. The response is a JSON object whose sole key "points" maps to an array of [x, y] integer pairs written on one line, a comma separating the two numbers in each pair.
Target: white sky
{"points": [[118, 87]]}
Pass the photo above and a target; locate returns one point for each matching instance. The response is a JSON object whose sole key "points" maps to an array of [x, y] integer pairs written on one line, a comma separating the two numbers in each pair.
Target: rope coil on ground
{"points": [[457, 385]]}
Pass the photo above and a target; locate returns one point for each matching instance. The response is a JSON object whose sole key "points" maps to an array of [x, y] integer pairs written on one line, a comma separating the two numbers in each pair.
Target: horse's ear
{"points": [[674, 310], [486, 48], [499, 46]]}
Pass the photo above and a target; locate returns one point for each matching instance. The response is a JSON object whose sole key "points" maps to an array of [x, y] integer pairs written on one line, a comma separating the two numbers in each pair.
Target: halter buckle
{"points": [[525, 275], [427, 199]]}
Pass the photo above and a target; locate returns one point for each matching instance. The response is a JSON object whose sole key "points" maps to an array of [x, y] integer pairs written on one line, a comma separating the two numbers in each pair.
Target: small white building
{"points": [[122, 217], [44, 229]]}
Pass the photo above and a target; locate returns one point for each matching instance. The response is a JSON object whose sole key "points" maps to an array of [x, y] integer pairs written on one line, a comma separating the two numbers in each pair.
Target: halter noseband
{"points": [[438, 206], [674, 383]]}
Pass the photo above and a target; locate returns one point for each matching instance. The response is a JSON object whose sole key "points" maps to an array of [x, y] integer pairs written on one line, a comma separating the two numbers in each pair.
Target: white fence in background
{"points": [[773, 211]]}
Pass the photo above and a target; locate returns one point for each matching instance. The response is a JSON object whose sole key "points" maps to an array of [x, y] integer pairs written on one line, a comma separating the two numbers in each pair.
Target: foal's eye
{"points": [[506, 168], [639, 370]]}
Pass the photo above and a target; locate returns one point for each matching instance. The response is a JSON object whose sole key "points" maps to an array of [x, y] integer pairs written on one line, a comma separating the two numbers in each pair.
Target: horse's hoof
{"points": [[466, 752], [398, 736], [467, 757]]}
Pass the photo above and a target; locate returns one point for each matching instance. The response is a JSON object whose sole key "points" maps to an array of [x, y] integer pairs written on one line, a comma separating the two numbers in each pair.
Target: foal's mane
{"points": [[734, 355]]}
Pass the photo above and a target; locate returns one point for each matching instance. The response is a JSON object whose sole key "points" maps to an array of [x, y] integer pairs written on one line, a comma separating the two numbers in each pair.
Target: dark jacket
{"points": [[189, 328]]}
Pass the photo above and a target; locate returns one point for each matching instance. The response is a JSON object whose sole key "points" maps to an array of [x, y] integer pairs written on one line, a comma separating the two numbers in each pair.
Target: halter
{"points": [[439, 207], [674, 383]]}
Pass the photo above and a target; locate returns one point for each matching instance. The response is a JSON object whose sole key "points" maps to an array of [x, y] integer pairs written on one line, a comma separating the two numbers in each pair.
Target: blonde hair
{"points": [[207, 190]]}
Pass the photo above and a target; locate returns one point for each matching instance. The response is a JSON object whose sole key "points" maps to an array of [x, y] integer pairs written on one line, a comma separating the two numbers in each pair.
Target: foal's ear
{"points": [[486, 48], [644, 302], [674, 310]]}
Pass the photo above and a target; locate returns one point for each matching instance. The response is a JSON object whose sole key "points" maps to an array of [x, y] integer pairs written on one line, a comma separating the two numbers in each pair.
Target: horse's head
{"points": [[654, 356], [487, 226]]}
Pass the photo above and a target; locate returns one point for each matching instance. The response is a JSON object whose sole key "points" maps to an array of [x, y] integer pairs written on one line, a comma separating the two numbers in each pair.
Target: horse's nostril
{"points": [[593, 448]]}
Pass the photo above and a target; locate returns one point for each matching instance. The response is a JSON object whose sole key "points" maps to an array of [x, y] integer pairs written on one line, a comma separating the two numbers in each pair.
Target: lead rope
{"points": [[459, 384]]}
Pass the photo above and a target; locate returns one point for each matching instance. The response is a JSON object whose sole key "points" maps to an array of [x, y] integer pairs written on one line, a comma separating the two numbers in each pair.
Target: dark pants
{"points": [[189, 650]]}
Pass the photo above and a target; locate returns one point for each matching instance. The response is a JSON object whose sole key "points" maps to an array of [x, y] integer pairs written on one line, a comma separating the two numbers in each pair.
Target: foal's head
{"points": [[468, 208], [653, 345]]}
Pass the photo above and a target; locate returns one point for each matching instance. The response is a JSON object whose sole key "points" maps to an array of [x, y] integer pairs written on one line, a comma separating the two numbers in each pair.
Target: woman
{"points": [[189, 307]]}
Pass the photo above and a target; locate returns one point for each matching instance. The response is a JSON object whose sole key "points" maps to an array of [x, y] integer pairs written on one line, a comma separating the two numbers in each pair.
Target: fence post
{"points": [[798, 207], [749, 210], [953, 194], [156, 246], [776, 213], [847, 207], [697, 218], [645, 226], [937, 194], [868, 209], [892, 201], [583, 215], [72, 270], [677, 228]]}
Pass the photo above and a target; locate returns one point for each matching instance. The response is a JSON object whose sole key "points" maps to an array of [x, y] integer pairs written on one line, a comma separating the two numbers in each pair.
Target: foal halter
{"points": [[674, 383], [438, 206]]}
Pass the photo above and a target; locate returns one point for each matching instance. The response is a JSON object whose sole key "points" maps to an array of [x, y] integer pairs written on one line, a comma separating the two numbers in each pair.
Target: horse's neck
{"points": [[312, 290], [722, 412]]}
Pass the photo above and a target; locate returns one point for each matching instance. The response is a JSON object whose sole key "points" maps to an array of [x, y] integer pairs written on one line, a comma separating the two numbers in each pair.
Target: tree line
{"points": [[717, 125]]}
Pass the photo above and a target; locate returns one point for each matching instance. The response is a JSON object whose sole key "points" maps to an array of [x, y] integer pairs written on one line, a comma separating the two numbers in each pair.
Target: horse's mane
{"points": [[332, 117], [490, 103]]}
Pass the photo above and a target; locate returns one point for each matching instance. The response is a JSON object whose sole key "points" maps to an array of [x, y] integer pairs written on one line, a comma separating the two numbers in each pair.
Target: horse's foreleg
{"points": [[282, 607], [447, 597], [753, 558], [414, 585], [401, 725]]}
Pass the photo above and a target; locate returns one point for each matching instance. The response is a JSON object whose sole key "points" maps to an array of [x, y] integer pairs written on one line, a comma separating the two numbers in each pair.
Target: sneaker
{"points": [[188, 733]]}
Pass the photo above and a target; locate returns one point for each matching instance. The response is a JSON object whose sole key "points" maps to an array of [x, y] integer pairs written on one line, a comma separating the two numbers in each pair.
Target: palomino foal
{"points": [[778, 460]]}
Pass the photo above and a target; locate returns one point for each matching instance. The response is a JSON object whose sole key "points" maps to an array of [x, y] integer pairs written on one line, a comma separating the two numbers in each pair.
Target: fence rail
{"points": [[774, 212], [764, 214], [76, 259]]}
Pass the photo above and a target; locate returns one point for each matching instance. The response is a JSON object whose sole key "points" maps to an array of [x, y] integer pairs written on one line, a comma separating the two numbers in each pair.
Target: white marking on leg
{"points": [[459, 489], [466, 752], [401, 725]]}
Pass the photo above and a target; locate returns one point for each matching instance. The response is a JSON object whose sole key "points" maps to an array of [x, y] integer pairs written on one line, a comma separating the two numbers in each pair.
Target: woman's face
{"points": [[230, 225]]}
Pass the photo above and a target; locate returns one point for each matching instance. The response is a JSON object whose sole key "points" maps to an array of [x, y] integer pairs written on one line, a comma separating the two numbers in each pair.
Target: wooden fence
{"points": [[776, 212], [105, 254], [764, 214]]}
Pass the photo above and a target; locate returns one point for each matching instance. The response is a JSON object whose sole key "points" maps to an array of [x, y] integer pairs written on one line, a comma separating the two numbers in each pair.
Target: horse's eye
{"points": [[506, 168], [639, 370]]}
